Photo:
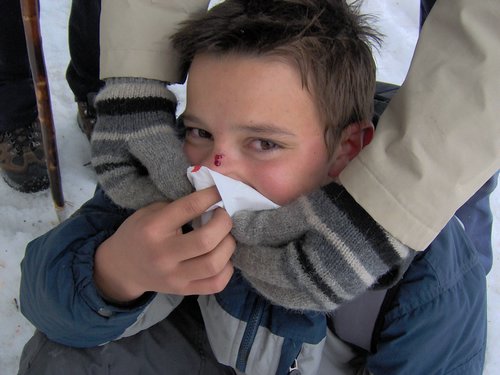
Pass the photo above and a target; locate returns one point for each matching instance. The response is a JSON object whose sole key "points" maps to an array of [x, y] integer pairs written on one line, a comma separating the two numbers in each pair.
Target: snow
{"points": [[24, 217]]}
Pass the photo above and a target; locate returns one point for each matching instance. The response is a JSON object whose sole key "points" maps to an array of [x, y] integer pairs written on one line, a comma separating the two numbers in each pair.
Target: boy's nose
{"points": [[224, 163], [218, 159]]}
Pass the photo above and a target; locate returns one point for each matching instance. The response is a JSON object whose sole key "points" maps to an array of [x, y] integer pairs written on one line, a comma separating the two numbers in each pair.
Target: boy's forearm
{"points": [[57, 292], [110, 283]]}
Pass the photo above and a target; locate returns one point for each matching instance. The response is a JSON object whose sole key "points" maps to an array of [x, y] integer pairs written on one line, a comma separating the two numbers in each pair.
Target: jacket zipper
{"points": [[249, 335]]}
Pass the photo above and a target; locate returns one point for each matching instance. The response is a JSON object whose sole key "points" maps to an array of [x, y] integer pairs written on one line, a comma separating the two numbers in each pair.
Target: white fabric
{"points": [[236, 196]]}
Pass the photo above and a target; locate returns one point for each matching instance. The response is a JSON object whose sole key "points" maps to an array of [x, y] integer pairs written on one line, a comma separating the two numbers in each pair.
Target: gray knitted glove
{"points": [[317, 252], [136, 152]]}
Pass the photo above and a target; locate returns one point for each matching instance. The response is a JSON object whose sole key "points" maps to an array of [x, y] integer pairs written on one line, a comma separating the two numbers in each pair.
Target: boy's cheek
{"points": [[285, 188], [278, 188]]}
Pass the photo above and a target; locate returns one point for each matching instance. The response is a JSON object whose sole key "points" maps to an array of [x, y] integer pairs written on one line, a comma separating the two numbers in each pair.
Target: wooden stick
{"points": [[31, 22]]}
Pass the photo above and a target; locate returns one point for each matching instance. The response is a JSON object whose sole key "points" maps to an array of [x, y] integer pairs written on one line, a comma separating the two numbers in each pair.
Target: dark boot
{"points": [[22, 159], [86, 116]]}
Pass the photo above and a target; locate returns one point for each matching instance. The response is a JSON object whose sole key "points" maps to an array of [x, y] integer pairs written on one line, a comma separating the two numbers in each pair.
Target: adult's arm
{"points": [[438, 141], [135, 37], [436, 144], [135, 108]]}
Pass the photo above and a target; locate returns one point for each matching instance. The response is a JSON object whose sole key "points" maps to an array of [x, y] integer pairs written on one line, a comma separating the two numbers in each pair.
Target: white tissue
{"points": [[236, 196]]}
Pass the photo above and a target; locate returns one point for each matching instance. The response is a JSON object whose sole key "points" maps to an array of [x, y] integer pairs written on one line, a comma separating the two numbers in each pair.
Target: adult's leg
{"points": [[22, 160], [83, 69], [17, 95]]}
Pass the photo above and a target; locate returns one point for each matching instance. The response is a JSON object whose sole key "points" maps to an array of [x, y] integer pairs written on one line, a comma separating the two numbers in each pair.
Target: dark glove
{"points": [[136, 151]]}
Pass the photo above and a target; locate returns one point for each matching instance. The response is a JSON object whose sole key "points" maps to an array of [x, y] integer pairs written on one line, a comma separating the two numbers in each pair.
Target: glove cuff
{"points": [[143, 92]]}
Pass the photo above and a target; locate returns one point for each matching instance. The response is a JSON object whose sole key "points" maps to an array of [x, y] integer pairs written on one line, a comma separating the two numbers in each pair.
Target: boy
{"points": [[268, 122]]}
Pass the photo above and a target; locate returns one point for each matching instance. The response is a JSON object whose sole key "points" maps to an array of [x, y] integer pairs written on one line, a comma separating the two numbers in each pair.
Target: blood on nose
{"points": [[218, 160]]}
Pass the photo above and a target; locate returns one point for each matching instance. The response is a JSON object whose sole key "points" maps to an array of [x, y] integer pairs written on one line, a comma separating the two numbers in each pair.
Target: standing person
{"points": [[22, 159]]}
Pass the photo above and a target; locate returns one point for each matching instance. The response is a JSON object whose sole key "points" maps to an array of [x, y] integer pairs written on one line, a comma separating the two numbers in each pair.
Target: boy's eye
{"points": [[264, 145], [198, 133]]}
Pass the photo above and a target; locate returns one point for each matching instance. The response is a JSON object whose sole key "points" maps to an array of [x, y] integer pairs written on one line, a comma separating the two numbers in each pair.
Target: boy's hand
{"points": [[148, 252]]}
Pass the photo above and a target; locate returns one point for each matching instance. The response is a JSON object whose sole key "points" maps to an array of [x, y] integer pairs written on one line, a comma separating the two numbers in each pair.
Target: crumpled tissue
{"points": [[236, 196]]}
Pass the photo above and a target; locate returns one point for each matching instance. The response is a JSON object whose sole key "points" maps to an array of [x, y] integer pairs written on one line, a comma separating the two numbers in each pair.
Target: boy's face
{"points": [[249, 118]]}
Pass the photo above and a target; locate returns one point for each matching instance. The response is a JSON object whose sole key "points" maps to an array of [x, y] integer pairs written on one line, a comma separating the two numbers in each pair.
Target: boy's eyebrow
{"points": [[269, 129]]}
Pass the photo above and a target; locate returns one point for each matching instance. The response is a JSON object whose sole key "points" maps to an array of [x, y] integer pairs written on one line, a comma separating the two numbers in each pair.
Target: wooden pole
{"points": [[31, 22]]}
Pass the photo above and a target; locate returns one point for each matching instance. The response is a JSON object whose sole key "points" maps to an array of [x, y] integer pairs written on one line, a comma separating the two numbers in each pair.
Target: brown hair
{"points": [[328, 40]]}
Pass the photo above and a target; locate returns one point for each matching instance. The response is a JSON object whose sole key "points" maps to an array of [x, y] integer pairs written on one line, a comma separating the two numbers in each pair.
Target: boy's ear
{"points": [[353, 138]]}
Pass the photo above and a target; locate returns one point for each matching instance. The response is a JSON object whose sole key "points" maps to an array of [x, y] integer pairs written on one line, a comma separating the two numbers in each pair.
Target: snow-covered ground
{"points": [[24, 217]]}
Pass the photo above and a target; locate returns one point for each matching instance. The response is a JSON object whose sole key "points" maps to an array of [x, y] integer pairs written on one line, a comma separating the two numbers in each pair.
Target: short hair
{"points": [[329, 41]]}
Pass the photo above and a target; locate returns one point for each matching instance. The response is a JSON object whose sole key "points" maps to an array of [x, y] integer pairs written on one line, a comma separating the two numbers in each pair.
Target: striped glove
{"points": [[136, 151], [317, 252]]}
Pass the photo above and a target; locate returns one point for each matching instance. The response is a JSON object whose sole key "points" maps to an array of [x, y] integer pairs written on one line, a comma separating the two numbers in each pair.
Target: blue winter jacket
{"points": [[434, 323]]}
